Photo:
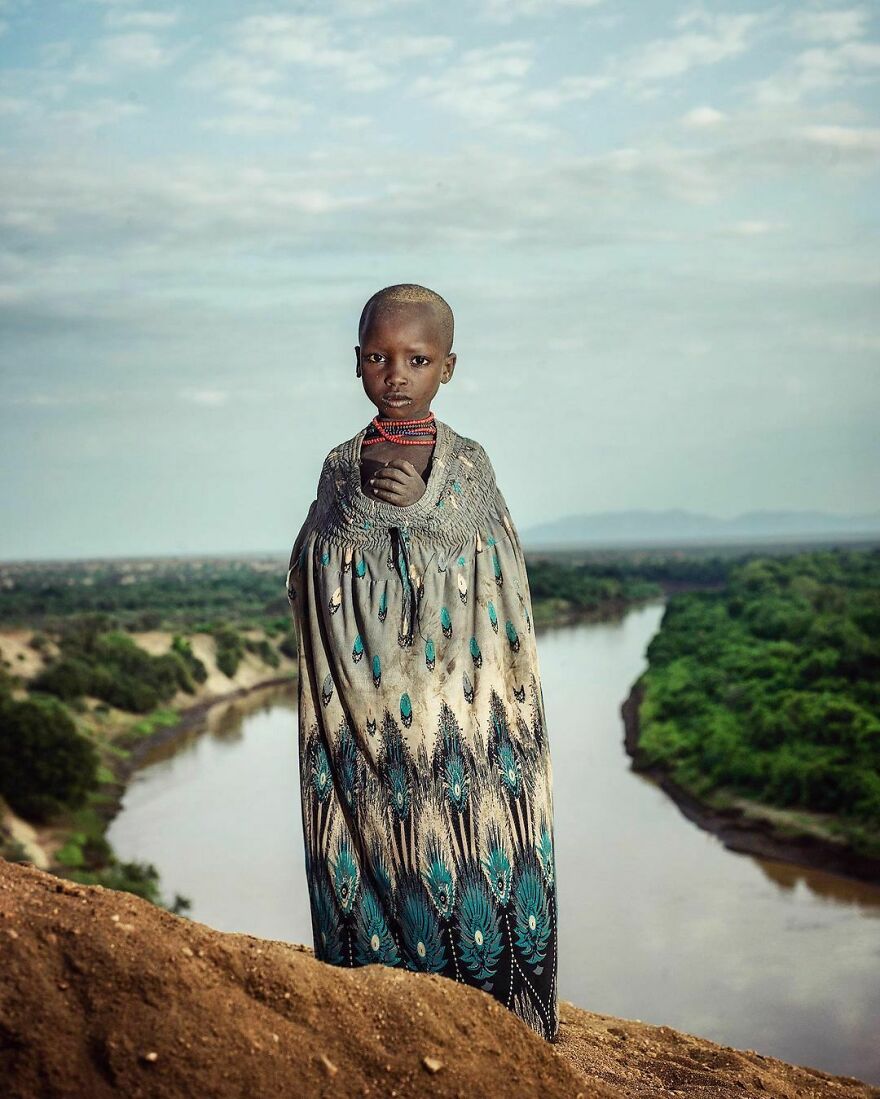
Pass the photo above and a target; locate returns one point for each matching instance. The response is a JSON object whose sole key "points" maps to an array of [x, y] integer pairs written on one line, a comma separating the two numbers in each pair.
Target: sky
{"points": [[656, 224]]}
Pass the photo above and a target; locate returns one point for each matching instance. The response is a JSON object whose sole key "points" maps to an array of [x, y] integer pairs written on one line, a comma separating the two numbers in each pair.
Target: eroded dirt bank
{"points": [[103, 994]]}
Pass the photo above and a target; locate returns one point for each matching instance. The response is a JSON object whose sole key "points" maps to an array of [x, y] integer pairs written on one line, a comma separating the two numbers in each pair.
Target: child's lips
{"points": [[398, 399]]}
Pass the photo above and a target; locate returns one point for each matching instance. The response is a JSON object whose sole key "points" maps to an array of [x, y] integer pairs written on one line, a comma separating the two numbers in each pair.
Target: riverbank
{"points": [[750, 827], [124, 740], [177, 1008]]}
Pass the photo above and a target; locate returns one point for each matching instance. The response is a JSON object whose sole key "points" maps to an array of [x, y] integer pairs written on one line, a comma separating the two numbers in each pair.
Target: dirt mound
{"points": [[103, 994]]}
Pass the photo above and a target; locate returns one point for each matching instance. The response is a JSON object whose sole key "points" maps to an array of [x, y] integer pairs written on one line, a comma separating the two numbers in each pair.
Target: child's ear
{"points": [[449, 367], [357, 359]]}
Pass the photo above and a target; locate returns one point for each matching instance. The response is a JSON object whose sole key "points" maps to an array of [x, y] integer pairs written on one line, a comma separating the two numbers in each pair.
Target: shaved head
{"points": [[408, 293]]}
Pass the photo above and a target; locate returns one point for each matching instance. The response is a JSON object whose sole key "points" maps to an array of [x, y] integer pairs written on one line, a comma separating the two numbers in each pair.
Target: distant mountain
{"points": [[677, 525]]}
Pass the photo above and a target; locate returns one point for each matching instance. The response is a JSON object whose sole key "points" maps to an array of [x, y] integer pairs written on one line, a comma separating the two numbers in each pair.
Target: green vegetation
{"points": [[108, 664], [45, 764], [770, 689], [560, 588], [179, 595]]}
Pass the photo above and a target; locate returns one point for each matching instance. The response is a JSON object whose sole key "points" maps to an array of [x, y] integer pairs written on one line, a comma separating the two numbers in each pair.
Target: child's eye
{"points": [[424, 361], [374, 357]]}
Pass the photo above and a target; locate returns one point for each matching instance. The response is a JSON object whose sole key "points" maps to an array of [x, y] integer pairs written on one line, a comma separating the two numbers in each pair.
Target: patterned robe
{"points": [[425, 767]]}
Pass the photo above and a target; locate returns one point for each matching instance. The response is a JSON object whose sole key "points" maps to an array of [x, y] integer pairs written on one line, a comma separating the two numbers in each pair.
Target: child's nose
{"points": [[397, 369]]}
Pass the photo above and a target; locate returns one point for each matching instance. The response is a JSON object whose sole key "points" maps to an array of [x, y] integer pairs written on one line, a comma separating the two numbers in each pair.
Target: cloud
{"points": [[507, 10], [850, 139], [207, 398], [836, 25], [141, 18], [702, 118], [724, 37], [313, 42], [485, 87], [141, 50], [753, 228], [817, 70]]}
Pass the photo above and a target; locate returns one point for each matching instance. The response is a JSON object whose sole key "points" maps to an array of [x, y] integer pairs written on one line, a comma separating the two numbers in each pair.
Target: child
{"points": [[424, 760]]}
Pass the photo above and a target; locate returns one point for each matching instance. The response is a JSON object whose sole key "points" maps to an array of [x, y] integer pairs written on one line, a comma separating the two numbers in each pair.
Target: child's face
{"points": [[402, 359]]}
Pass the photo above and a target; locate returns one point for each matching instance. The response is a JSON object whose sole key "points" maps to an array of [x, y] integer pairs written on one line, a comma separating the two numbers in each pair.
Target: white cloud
{"points": [[817, 70], [313, 42], [142, 18], [845, 138], [141, 50], [836, 25], [753, 228], [567, 89], [208, 398], [725, 36], [96, 114], [506, 10], [486, 87], [702, 118]]}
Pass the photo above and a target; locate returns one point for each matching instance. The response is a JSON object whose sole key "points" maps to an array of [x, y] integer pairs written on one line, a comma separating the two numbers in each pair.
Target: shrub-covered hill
{"points": [[770, 689]]}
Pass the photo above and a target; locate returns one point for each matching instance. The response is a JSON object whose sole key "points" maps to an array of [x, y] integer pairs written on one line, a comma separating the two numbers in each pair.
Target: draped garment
{"points": [[424, 759]]}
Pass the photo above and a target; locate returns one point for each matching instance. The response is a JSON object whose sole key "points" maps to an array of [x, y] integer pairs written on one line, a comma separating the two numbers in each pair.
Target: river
{"points": [[658, 921]]}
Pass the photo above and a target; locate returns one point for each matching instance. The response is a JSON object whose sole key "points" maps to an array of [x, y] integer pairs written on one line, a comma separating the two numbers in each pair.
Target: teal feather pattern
{"points": [[406, 715], [457, 784], [421, 932], [544, 851], [383, 606], [381, 873], [531, 915], [509, 767], [445, 622], [439, 880], [328, 939], [361, 568], [512, 636], [346, 875], [496, 565], [479, 935], [430, 655], [375, 944], [357, 650], [493, 615], [347, 766], [396, 768], [501, 749], [496, 866], [319, 771], [377, 670], [476, 653]]}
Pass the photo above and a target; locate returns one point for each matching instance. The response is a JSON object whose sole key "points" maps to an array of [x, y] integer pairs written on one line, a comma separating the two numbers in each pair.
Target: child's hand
{"points": [[398, 482]]}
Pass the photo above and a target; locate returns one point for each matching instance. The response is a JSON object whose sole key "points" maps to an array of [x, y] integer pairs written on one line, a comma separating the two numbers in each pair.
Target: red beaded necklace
{"points": [[406, 432]]}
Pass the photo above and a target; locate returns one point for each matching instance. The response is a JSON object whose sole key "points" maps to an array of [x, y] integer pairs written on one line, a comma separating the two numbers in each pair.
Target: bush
{"points": [[44, 762], [230, 649]]}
